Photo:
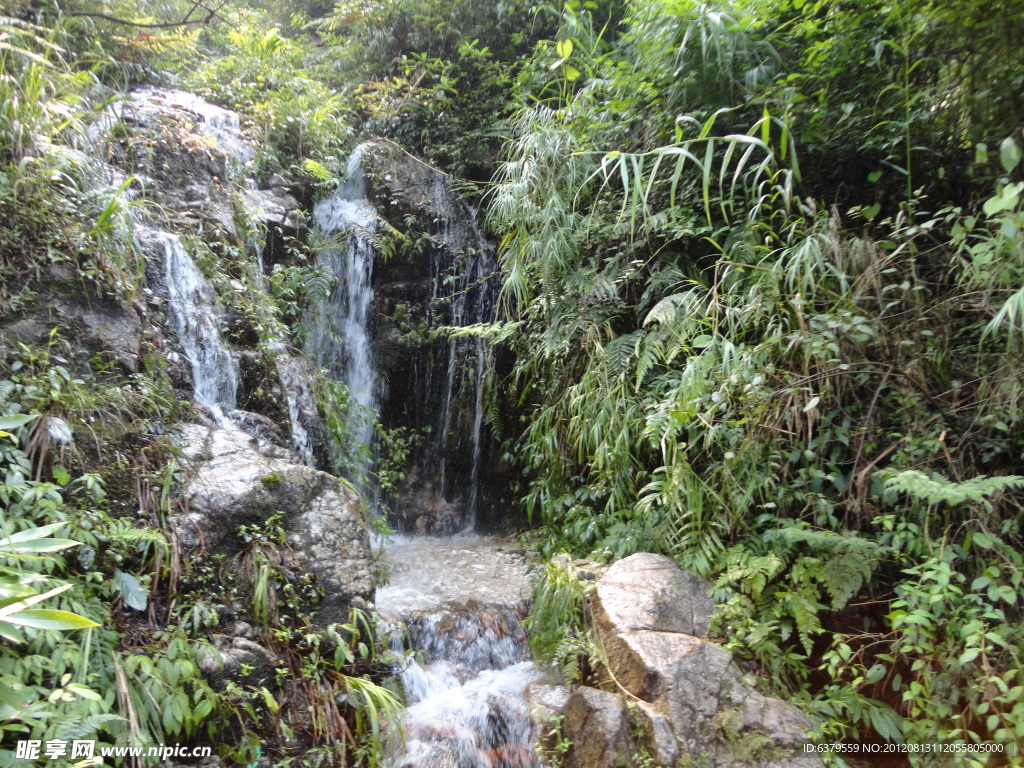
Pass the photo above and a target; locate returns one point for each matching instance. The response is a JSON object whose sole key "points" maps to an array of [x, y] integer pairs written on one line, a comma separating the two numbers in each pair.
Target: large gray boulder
{"points": [[650, 592], [605, 730], [238, 660], [597, 724], [107, 327], [272, 207], [648, 614], [103, 328], [233, 483], [182, 152]]}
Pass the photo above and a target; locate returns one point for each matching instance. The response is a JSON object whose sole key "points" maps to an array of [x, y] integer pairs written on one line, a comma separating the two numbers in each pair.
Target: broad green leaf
{"points": [[32, 533], [969, 655], [13, 607], [131, 590], [34, 546], [85, 693], [13, 422], [1005, 200], [571, 73], [1009, 154], [11, 635], [984, 540], [53, 620]]}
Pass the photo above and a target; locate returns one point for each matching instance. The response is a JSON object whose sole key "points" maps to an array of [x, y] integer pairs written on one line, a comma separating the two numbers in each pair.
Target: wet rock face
{"points": [[181, 151], [423, 511], [689, 696], [599, 725], [238, 660], [440, 272], [234, 484], [106, 330], [109, 328], [192, 159]]}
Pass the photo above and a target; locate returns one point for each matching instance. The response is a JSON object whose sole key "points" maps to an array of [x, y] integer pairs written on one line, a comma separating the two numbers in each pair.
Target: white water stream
{"points": [[461, 601], [194, 311], [339, 327], [457, 602], [196, 315], [471, 298]]}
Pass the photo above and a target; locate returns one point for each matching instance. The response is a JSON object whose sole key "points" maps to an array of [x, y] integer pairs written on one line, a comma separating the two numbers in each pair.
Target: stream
{"points": [[460, 602]]}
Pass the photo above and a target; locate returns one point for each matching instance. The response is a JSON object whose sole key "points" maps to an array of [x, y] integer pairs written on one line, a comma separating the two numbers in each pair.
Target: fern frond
{"points": [[937, 489], [80, 727], [318, 283], [124, 531], [496, 332]]}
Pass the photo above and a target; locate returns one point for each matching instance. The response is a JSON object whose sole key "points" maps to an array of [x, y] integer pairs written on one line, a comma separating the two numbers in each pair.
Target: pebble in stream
{"points": [[461, 600]]}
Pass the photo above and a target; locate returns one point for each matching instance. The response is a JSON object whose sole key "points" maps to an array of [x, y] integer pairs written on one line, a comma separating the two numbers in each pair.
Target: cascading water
{"points": [[221, 125], [339, 338], [471, 299], [466, 702], [195, 314], [296, 381], [467, 698], [194, 310]]}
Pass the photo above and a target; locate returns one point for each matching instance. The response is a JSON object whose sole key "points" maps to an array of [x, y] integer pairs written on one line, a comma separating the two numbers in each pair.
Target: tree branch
{"points": [[185, 21]]}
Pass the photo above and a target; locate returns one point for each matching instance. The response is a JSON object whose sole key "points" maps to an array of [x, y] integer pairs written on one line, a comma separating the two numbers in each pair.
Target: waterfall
{"points": [[194, 310], [221, 125], [471, 298], [195, 314], [296, 381], [339, 336], [431, 386]]}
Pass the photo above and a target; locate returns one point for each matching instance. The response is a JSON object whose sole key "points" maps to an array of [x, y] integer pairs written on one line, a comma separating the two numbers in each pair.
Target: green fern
{"points": [[936, 489], [842, 562], [317, 282], [567, 657], [81, 727], [558, 612]]}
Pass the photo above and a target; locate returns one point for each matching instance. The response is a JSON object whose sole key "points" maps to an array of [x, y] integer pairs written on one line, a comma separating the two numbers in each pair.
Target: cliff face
{"points": [[202, 323], [432, 269]]}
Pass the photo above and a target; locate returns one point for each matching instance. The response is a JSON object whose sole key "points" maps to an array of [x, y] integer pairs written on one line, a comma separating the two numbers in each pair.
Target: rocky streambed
{"points": [[458, 604], [476, 700]]}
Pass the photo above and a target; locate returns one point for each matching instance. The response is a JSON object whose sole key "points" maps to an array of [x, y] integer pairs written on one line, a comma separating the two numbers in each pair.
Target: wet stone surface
{"points": [[426, 572]]}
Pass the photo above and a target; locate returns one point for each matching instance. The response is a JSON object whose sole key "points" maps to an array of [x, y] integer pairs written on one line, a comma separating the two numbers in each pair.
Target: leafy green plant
{"points": [[558, 614], [711, 367], [16, 593]]}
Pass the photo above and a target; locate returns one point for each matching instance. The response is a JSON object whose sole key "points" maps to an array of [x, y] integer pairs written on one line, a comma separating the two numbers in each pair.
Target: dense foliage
{"points": [[762, 265]]}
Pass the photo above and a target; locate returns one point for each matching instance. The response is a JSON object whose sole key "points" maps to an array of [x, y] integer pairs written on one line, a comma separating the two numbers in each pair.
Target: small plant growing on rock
{"points": [[553, 744]]}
